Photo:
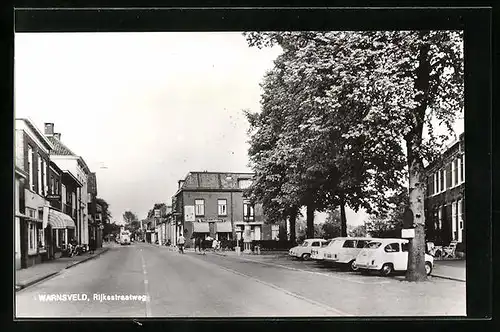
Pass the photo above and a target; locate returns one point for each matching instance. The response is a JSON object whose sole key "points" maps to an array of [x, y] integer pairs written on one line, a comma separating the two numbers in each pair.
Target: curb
{"points": [[32, 282], [448, 278], [35, 281], [87, 259]]}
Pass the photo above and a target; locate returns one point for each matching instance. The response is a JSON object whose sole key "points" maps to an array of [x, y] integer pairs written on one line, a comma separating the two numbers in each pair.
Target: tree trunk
{"points": [[293, 223], [310, 222], [343, 219], [417, 182]]}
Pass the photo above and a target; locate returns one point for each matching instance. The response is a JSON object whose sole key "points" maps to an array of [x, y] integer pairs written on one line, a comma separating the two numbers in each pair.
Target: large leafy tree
{"points": [[386, 88], [332, 225]]}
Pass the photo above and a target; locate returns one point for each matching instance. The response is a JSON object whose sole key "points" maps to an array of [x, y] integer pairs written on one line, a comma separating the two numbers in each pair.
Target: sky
{"points": [[144, 109]]}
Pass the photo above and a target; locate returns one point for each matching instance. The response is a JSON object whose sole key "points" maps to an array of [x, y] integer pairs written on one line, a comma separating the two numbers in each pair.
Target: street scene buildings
{"points": [[53, 202], [265, 174]]}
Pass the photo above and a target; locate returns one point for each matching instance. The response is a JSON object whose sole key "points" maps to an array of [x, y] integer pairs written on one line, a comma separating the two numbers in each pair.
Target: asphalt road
{"points": [[173, 285]]}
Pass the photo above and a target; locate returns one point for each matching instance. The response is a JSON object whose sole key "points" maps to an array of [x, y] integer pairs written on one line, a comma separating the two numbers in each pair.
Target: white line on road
{"points": [[146, 282], [313, 272], [321, 305]]}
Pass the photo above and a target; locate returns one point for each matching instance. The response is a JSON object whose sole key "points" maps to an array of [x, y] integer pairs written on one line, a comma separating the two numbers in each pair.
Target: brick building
{"points": [[212, 204], [445, 199], [32, 151]]}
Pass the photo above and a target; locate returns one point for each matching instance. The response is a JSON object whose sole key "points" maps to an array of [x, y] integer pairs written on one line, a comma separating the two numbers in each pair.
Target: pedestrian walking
{"points": [[197, 244], [180, 243], [92, 245]]}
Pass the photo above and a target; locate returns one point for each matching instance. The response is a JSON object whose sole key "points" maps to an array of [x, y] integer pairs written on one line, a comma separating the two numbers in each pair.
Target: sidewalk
{"points": [[32, 275], [452, 269]]}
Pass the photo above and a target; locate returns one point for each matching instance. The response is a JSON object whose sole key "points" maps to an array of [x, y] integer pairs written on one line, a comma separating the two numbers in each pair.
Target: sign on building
{"points": [[189, 213]]}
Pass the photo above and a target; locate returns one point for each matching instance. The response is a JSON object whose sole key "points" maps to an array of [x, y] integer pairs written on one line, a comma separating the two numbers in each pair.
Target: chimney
{"points": [[49, 129], [57, 136]]}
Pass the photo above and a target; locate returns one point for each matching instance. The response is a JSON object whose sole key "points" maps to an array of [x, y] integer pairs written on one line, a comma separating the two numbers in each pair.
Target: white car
{"points": [[344, 250], [317, 253], [303, 251], [387, 256]]}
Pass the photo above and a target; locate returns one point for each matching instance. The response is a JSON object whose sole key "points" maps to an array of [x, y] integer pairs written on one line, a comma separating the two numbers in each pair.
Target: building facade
{"points": [[445, 197], [32, 152], [94, 211], [213, 204], [74, 166]]}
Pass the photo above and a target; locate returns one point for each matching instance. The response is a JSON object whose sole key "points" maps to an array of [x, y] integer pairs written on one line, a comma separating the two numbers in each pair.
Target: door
{"points": [[393, 254], [315, 245], [347, 252]]}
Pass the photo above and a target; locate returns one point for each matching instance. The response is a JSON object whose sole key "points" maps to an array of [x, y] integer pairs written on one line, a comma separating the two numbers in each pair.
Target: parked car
{"points": [[387, 256], [344, 250], [303, 251], [317, 253]]}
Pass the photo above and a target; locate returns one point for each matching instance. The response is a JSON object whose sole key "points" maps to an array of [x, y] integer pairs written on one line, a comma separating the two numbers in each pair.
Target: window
{"points": [[248, 211], [373, 245], [393, 247], [436, 178], [39, 172], [40, 238], [440, 217], [89, 198], [441, 179], [316, 244], [305, 244], [46, 177], [405, 247], [455, 171], [462, 168], [430, 185], [361, 244], [349, 244], [31, 184], [275, 231], [31, 237], [244, 183], [199, 207], [222, 207]]}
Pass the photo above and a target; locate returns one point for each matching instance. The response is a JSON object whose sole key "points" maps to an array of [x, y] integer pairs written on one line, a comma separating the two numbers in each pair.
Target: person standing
{"points": [[180, 242]]}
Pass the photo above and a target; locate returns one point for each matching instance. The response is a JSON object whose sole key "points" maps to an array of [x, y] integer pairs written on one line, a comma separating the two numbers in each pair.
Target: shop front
{"points": [[60, 230]]}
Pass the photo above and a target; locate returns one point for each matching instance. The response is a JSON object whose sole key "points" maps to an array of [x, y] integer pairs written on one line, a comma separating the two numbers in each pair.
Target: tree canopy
{"points": [[343, 116]]}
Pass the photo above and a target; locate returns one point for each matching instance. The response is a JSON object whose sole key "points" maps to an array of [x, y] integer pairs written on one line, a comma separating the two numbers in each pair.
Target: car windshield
{"points": [[305, 244], [373, 245]]}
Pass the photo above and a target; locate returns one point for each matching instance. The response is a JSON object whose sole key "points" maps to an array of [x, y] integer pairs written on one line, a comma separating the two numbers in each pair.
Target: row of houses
{"points": [[213, 204], [55, 196]]}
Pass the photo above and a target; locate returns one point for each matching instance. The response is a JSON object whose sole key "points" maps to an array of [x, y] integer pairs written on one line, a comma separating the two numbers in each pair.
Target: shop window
{"points": [[275, 231]]}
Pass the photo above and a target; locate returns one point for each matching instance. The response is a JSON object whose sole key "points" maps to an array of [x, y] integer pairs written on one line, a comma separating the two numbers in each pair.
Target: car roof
{"points": [[310, 240], [353, 238], [389, 240]]}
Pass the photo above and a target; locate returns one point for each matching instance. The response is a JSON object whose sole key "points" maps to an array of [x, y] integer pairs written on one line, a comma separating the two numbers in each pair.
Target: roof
{"points": [[213, 180], [446, 151], [92, 183], [82, 163], [71, 176], [59, 148], [48, 143]]}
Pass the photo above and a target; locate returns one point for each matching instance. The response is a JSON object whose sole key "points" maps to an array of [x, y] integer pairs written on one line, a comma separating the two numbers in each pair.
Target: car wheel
{"points": [[306, 256], [428, 268], [386, 269], [352, 266]]}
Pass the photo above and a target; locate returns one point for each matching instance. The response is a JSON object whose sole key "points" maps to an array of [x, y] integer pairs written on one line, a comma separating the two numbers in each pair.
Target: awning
{"points": [[59, 220], [200, 227], [224, 227]]}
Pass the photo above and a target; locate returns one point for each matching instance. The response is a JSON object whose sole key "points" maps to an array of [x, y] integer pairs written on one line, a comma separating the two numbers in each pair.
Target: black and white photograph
{"points": [[195, 174]]}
